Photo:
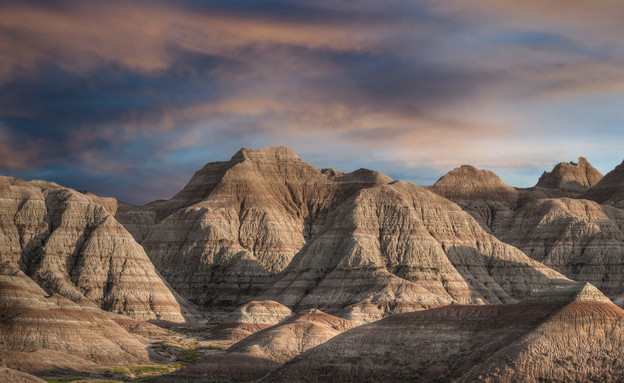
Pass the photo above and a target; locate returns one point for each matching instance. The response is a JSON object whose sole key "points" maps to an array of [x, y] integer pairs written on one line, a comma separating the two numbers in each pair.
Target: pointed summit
{"points": [[481, 193], [572, 177]]}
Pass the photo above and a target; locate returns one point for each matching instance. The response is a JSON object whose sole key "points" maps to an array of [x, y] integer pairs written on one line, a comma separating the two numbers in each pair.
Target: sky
{"points": [[129, 98]]}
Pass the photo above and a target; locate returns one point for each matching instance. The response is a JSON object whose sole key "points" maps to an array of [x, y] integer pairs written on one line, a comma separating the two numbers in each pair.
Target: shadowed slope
{"points": [[579, 238], [575, 339], [610, 189]]}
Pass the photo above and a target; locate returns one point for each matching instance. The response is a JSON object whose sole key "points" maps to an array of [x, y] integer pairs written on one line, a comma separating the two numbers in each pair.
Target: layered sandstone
{"points": [[240, 223], [246, 320], [399, 247], [41, 332], [481, 193], [562, 341], [573, 177], [71, 245], [579, 238], [293, 336]]}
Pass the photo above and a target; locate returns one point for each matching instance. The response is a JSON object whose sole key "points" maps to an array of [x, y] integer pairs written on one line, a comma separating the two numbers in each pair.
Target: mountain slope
{"points": [[42, 333], [69, 244], [398, 247], [579, 238], [247, 225], [481, 193], [610, 189], [573, 339], [267, 226]]}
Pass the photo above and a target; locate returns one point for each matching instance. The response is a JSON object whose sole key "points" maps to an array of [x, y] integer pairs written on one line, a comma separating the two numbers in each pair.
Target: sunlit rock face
{"points": [[42, 332], [70, 245], [573, 177], [267, 226], [242, 222], [577, 237]]}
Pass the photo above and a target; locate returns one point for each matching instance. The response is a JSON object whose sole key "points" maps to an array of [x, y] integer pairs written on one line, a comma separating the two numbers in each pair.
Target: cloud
{"points": [[122, 89]]}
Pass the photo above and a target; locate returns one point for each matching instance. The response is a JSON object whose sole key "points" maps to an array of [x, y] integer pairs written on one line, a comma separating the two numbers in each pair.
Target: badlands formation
{"points": [[266, 268]]}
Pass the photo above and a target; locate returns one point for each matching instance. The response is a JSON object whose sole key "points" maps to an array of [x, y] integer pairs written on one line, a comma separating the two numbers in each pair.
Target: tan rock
{"points": [[610, 189], [293, 336], [260, 312], [72, 246], [573, 177], [481, 193], [574, 341], [240, 223], [398, 247], [30, 321], [579, 238]]}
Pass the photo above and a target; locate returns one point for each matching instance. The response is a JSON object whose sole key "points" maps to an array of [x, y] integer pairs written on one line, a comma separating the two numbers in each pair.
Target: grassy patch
{"points": [[137, 371]]}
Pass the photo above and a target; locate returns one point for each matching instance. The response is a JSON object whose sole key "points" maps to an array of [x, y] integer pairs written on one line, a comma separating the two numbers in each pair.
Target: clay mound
{"points": [[610, 189], [574, 341], [72, 246], [259, 312], [579, 238], [295, 335], [14, 376], [481, 193], [398, 247], [573, 177], [38, 333], [237, 224], [246, 320], [226, 334]]}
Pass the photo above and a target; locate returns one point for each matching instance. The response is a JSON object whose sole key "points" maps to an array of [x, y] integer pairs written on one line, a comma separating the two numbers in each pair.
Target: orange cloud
{"points": [[80, 38]]}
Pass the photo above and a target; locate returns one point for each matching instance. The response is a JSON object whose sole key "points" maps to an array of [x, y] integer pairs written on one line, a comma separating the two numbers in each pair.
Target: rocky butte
{"points": [[264, 267]]}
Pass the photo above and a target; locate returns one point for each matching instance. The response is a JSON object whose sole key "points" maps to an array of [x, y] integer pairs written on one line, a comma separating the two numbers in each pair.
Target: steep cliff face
{"points": [[481, 193], [573, 340], [610, 189], [398, 247], [71, 245], [241, 222], [41, 332], [572, 177], [579, 238], [265, 225]]}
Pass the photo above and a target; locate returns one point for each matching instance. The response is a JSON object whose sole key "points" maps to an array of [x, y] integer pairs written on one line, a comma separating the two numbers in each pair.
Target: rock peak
{"points": [[270, 154], [469, 175], [573, 177]]}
